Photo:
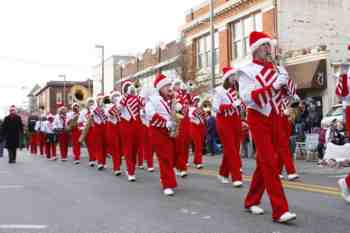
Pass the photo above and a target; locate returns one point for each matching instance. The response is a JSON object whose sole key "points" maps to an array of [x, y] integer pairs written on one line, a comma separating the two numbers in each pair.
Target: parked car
{"points": [[335, 113]]}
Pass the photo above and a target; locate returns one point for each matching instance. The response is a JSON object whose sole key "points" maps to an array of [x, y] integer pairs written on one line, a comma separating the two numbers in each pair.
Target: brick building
{"points": [[50, 97], [311, 35], [32, 100]]}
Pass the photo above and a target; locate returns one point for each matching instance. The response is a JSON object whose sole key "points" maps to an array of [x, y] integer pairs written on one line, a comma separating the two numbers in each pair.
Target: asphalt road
{"points": [[56, 197]]}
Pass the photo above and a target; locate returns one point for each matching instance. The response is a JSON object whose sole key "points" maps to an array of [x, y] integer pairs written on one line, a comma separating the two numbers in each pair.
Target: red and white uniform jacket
{"points": [[39, 126], [114, 114], [158, 111], [48, 127], [261, 86], [71, 115], [226, 102], [183, 102], [98, 115], [197, 116], [131, 106], [342, 89], [60, 122]]}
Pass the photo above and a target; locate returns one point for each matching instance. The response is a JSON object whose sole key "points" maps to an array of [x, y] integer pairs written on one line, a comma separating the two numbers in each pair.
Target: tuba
{"points": [[79, 94]]}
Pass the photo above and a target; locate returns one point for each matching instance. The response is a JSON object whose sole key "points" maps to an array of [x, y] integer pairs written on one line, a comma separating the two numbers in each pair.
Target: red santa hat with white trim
{"points": [[124, 84], [161, 81], [257, 39], [114, 93], [100, 96], [228, 72], [50, 116], [75, 105]]}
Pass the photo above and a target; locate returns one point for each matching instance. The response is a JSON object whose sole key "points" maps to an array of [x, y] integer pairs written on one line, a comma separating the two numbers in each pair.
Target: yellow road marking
{"points": [[296, 185]]}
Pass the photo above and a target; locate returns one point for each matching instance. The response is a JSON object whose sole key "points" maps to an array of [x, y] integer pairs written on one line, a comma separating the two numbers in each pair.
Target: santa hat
{"points": [[100, 96], [161, 81], [114, 93], [50, 116], [228, 72], [90, 99], [257, 39], [125, 83], [196, 98], [75, 105], [13, 109]]}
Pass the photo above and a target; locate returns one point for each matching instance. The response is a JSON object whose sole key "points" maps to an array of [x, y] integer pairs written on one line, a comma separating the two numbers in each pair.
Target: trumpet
{"points": [[73, 123], [176, 117], [274, 62]]}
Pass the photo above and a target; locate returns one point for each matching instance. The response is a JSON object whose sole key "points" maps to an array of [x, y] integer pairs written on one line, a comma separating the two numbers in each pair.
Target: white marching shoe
{"points": [[292, 177], [100, 167], [53, 159], [287, 217], [345, 192], [168, 192], [256, 210], [223, 180], [131, 178], [141, 167], [150, 169], [64, 160], [237, 184], [92, 163], [117, 173], [77, 162], [281, 176], [199, 166], [182, 174]]}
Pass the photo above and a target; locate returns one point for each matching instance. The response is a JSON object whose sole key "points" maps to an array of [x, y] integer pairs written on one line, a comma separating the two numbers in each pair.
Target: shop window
{"points": [[204, 50]]}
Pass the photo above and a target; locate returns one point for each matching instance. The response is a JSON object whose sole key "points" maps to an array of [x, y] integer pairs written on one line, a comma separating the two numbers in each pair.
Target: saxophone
{"points": [[176, 117], [73, 122]]}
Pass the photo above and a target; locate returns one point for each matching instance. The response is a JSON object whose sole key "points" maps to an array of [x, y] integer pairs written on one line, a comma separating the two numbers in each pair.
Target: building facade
{"points": [[51, 96], [311, 37], [32, 100]]}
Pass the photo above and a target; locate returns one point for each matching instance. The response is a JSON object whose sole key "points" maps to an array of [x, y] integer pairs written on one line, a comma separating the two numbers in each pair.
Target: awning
{"points": [[309, 74]]}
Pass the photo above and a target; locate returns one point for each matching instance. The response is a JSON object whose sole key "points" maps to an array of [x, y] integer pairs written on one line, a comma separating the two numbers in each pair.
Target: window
{"points": [[59, 98], [240, 31], [204, 50]]}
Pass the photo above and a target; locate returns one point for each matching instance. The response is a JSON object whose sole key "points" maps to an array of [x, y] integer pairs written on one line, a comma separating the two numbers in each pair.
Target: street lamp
{"points": [[102, 67], [64, 87], [212, 52]]}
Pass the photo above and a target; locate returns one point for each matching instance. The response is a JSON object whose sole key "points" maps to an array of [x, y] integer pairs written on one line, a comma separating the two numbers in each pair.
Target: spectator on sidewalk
{"points": [[337, 134], [2, 139], [12, 131], [321, 147], [212, 136]]}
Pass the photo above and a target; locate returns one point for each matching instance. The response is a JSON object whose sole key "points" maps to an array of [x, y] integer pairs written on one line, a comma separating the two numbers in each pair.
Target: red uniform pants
{"points": [[283, 149], [113, 139], [347, 179], [197, 135], [76, 133], [266, 175], [90, 137], [99, 143], [347, 121], [131, 134], [146, 150], [63, 139], [182, 143], [41, 142], [50, 150], [229, 130], [33, 143], [164, 148]]}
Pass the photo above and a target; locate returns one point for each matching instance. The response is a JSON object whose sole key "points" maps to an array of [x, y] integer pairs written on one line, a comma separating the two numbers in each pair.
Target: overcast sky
{"points": [[40, 39]]}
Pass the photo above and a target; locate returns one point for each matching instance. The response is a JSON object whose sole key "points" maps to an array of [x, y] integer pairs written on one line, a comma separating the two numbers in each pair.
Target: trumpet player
{"points": [[114, 131], [226, 106], [197, 130], [75, 125], [131, 105], [159, 111], [342, 91], [60, 127], [260, 83]]}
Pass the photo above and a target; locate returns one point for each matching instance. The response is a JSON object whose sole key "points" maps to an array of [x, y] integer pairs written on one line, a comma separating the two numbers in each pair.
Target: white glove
{"points": [[282, 80], [169, 124], [237, 103]]}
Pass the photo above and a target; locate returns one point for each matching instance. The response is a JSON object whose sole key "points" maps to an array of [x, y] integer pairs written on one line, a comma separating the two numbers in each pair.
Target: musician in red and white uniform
{"points": [[131, 105], [146, 149], [197, 130], [50, 137], [183, 100], [226, 106], [90, 136], [114, 131], [159, 111], [40, 135], [99, 127], [285, 132], [260, 83], [60, 127], [75, 114], [343, 92]]}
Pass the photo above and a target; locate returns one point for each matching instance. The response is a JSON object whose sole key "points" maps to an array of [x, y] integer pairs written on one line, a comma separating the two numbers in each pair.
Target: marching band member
{"points": [[75, 123], [40, 135], [131, 105], [114, 131], [197, 131], [260, 83], [342, 91], [99, 120], [50, 137], [146, 149], [33, 139], [159, 110], [182, 141], [60, 127], [228, 122]]}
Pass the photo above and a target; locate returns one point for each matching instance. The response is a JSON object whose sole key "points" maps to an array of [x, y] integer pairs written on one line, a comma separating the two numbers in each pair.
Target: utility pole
{"points": [[102, 67], [212, 52]]}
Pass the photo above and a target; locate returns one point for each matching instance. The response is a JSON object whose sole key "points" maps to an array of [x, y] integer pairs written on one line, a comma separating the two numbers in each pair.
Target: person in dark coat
{"points": [[12, 131], [2, 140]]}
